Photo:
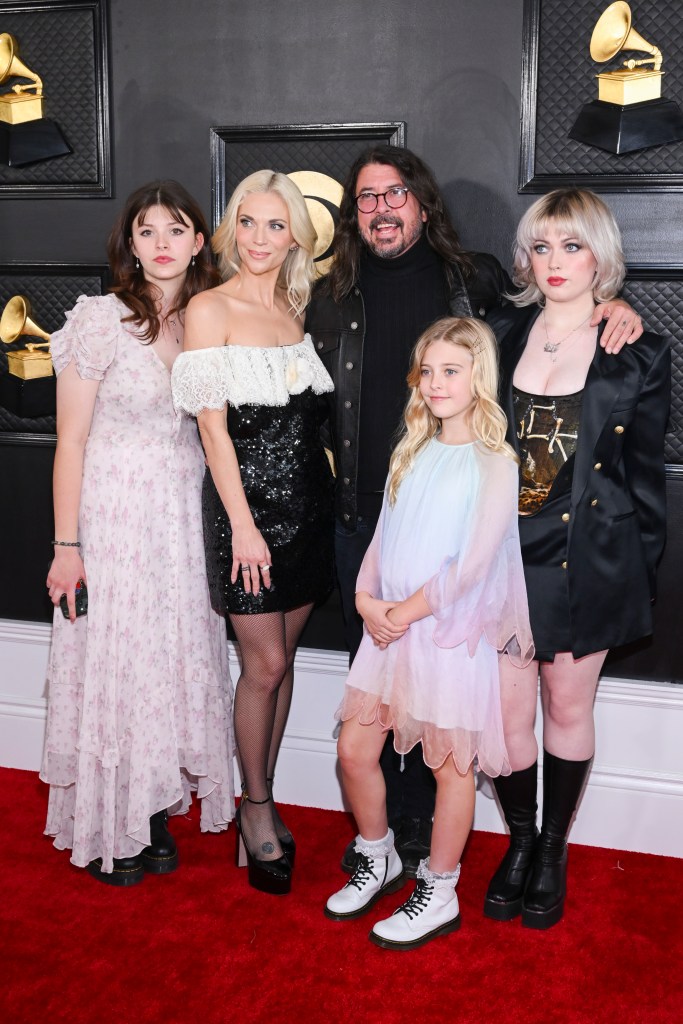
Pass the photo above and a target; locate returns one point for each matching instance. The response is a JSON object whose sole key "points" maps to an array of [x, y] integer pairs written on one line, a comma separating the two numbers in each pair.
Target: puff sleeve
{"points": [[88, 338]]}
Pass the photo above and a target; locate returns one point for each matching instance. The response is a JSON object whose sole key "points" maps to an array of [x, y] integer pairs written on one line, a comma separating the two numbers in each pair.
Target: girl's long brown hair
{"points": [[130, 285]]}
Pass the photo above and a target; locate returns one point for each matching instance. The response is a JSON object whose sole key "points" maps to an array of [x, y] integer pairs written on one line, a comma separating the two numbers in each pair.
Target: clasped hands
{"points": [[383, 619]]}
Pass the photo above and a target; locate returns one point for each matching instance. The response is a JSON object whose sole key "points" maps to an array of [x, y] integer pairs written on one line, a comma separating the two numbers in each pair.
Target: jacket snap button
{"points": [[349, 366], [347, 405], [482, 311], [354, 325], [598, 465], [320, 344], [618, 429], [594, 502], [564, 565], [347, 444], [565, 517], [347, 516], [347, 480]]}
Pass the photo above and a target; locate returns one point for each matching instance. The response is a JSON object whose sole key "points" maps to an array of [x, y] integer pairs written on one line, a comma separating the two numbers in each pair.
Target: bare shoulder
{"points": [[207, 319]]}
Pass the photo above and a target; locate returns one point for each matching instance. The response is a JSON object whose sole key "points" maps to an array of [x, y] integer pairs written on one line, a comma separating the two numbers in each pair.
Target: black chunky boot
{"points": [[517, 795], [563, 781], [161, 856], [127, 871]]}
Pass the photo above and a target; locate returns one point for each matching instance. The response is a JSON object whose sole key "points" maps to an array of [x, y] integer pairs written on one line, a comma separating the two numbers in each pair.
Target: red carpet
{"points": [[200, 946]]}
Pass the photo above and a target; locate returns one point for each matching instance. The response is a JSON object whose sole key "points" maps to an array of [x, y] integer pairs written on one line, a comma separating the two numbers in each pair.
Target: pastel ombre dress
{"points": [[139, 702], [454, 530]]}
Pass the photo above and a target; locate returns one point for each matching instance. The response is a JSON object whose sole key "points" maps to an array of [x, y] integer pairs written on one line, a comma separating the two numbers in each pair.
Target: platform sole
{"points": [[393, 886], [444, 929]]}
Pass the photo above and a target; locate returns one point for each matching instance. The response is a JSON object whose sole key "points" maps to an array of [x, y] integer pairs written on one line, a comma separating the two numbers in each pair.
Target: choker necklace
{"points": [[551, 347]]}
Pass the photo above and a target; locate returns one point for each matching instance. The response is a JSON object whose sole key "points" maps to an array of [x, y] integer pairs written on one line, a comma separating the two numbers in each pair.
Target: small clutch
{"points": [[81, 601]]}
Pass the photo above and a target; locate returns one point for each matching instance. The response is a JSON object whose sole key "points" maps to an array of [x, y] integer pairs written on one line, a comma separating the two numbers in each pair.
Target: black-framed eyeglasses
{"points": [[395, 198]]}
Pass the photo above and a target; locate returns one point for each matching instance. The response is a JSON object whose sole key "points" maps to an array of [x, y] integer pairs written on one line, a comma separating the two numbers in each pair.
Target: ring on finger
{"points": [[264, 568], [244, 568]]}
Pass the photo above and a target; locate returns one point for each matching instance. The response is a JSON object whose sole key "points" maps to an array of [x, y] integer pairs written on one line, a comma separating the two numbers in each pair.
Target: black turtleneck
{"points": [[402, 296]]}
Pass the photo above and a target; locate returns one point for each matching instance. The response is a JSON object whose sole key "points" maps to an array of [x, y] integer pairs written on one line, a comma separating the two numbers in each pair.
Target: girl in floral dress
{"points": [[139, 705]]}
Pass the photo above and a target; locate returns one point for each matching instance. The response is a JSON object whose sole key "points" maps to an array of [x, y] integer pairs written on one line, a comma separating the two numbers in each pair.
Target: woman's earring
{"points": [[137, 263], [193, 261], [293, 248]]}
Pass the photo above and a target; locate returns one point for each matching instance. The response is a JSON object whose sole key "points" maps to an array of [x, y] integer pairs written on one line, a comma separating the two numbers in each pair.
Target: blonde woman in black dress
{"points": [[254, 382]]}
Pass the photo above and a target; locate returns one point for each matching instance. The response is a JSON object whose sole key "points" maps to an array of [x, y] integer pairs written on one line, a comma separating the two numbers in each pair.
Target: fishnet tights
{"points": [[262, 699]]}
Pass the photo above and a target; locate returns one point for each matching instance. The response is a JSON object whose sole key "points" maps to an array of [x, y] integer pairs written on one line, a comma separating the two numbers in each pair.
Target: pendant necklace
{"points": [[551, 347], [173, 323]]}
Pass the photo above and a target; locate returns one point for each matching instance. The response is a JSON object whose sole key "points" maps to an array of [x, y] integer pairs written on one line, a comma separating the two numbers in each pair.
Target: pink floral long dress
{"points": [[139, 700]]}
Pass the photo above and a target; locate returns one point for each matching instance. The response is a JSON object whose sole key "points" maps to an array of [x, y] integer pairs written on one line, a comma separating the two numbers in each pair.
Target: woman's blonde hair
{"points": [[297, 272], [487, 421], [583, 216]]}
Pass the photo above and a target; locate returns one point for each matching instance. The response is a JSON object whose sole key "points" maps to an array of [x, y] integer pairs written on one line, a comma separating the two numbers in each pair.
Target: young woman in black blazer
{"points": [[589, 429]]}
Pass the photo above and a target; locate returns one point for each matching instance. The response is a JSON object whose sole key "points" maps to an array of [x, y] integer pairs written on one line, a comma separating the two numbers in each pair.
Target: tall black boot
{"points": [[161, 856], [517, 795], [563, 781]]}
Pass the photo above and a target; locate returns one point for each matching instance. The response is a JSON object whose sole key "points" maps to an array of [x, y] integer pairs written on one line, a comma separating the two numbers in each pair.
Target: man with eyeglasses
{"points": [[398, 266]]}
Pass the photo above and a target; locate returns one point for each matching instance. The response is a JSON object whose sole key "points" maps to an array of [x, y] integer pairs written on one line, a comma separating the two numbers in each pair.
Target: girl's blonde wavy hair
{"points": [[487, 421], [297, 272]]}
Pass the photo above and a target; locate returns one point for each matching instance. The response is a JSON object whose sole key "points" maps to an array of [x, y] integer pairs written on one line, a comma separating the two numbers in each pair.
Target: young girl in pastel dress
{"points": [[441, 592]]}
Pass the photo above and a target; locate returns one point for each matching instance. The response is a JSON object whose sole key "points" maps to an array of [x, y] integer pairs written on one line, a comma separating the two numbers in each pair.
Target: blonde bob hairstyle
{"points": [[579, 214], [297, 271], [487, 420]]}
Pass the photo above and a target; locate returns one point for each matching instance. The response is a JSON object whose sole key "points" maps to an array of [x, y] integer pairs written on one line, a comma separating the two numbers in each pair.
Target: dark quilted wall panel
{"points": [[65, 45], [658, 297], [51, 291], [566, 80]]}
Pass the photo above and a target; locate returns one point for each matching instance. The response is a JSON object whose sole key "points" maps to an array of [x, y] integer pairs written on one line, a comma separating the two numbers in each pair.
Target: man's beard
{"points": [[402, 243]]}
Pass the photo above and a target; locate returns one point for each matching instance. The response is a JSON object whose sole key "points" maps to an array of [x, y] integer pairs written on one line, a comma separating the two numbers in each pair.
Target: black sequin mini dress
{"points": [[274, 417]]}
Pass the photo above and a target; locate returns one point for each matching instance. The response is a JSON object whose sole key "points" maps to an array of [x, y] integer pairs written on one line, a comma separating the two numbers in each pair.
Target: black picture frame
{"points": [[66, 42], [239, 150], [558, 77], [52, 288]]}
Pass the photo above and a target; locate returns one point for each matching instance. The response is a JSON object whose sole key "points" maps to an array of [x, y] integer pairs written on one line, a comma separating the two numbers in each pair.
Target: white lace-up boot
{"points": [[378, 872], [432, 910]]}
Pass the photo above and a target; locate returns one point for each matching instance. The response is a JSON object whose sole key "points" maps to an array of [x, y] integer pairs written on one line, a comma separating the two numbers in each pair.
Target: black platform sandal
{"points": [[272, 876]]}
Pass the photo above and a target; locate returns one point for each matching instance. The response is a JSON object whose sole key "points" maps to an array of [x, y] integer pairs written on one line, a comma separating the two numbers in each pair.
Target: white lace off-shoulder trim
{"points": [[208, 378]]}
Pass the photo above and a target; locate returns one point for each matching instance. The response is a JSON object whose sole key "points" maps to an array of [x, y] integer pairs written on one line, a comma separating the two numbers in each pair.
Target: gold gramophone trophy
{"points": [[26, 137], [629, 113], [28, 389]]}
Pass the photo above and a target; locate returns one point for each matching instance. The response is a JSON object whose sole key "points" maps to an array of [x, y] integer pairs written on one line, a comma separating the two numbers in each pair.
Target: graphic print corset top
{"points": [[547, 428]]}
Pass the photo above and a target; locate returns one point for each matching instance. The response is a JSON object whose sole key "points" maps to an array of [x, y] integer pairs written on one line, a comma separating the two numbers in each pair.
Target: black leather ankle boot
{"points": [[517, 795], [161, 856], [563, 782]]}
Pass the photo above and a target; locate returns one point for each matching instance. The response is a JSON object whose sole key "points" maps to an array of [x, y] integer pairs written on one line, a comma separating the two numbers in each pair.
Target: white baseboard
{"points": [[633, 801]]}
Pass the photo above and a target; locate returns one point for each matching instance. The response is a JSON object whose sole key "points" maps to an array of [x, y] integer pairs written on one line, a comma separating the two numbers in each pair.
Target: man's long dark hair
{"points": [[416, 176], [129, 282]]}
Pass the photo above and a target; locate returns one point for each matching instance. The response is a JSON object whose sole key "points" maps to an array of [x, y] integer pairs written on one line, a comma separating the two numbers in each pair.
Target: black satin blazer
{"points": [[617, 523]]}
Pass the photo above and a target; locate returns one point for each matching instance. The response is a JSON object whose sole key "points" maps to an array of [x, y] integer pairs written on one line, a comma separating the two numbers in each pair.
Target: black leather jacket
{"points": [[338, 331]]}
